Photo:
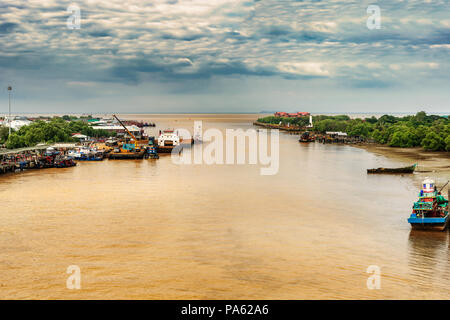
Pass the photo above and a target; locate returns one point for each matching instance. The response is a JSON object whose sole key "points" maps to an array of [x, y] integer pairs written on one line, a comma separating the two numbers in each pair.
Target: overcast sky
{"points": [[225, 56]]}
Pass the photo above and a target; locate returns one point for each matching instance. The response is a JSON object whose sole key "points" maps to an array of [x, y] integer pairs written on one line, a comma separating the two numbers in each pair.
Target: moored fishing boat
{"points": [[151, 153], [86, 154], [65, 162], [306, 137], [431, 210], [409, 169]]}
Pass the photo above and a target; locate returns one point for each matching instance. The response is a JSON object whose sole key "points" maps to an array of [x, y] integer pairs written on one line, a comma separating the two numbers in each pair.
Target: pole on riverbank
{"points": [[9, 116]]}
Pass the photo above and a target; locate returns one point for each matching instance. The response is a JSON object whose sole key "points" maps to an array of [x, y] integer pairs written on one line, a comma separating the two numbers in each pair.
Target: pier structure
{"points": [[29, 158], [19, 159]]}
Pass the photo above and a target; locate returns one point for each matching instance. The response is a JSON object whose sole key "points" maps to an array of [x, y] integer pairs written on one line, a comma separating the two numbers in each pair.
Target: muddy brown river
{"points": [[153, 229]]}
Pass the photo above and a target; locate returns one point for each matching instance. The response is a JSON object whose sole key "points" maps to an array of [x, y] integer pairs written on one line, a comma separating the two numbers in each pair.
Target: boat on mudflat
{"points": [[430, 212], [409, 169]]}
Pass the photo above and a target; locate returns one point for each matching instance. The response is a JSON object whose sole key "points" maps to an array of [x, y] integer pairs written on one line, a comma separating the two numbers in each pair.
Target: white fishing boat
{"points": [[86, 154]]}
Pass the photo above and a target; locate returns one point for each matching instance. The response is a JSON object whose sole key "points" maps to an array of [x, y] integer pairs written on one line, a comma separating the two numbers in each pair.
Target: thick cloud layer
{"points": [[225, 55]]}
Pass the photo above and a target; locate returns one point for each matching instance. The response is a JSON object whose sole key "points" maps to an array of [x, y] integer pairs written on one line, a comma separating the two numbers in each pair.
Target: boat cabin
{"points": [[428, 185], [168, 138]]}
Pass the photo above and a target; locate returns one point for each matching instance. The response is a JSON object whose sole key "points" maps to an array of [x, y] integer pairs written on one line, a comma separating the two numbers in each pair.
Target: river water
{"points": [[152, 229]]}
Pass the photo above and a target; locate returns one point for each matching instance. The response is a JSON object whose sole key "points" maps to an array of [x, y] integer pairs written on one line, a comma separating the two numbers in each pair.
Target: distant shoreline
{"points": [[218, 113]]}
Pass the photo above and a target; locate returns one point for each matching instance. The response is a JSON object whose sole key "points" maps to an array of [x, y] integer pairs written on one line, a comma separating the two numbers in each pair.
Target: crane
{"points": [[136, 143]]}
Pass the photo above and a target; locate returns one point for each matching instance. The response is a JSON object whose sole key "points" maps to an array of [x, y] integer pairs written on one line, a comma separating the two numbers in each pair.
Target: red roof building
{"points": [[291, 115]]}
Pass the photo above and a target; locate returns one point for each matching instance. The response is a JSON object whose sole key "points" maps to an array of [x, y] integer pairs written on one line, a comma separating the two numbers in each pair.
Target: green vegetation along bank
{"points": [[432, 132], [55, 130]]}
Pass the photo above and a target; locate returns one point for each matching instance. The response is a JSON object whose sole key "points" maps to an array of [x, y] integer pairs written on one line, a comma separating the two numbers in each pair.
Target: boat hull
{"points": [[89, 159], [128, 155], [439, 224], [168, 149], [393, 170]]}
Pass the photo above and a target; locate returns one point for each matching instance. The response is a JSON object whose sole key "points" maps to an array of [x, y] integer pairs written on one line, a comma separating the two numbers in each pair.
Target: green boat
{"points": [[431, 209]]}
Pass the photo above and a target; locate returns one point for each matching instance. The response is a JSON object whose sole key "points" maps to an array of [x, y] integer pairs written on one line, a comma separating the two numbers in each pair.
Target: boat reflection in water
{"points": [[428, 260]]}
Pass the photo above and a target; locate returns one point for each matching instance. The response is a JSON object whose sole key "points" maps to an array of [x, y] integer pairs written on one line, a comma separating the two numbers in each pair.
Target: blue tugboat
{"points": [[151, 153], [431, 210]]}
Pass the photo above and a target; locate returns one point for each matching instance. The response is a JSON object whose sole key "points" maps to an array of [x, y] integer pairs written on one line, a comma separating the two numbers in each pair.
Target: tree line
{"points": [[432, 132], [57, 129]]}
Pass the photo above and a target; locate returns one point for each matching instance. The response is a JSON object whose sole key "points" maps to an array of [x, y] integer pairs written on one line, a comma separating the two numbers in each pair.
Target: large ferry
{"points": [[168, 140]]}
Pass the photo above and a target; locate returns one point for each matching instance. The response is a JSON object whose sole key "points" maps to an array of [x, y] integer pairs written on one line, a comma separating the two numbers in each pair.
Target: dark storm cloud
{"points": [[7, 27], [100, 33]]}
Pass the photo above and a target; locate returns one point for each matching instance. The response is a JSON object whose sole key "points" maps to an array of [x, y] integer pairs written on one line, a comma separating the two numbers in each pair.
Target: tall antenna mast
{"points": [[9, 116]]}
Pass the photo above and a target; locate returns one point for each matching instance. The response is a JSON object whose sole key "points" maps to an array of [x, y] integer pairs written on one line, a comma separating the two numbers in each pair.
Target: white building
{"points": [[118, 128], [16, 122]]}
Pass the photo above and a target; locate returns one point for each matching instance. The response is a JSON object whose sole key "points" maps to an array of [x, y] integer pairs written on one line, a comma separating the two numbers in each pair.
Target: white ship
{"points": [[167, 140]]}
